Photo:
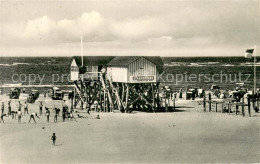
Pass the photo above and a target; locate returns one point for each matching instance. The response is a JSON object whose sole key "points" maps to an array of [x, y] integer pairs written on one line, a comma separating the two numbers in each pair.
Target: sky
{"points": [[128, 27]]}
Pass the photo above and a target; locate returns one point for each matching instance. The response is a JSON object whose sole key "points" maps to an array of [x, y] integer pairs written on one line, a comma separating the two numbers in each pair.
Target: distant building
{"points": [[91, 65]]}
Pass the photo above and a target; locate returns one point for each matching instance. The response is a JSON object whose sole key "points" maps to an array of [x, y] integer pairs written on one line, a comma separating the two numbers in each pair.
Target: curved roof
{"points": [[126, 60]]}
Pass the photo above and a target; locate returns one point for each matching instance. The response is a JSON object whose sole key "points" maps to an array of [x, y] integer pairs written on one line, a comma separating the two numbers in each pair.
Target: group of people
{"points": [[66, 113], [17, 113]]}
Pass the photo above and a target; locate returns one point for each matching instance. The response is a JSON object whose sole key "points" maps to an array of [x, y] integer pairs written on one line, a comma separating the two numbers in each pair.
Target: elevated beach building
{"points": [[127, 82]]}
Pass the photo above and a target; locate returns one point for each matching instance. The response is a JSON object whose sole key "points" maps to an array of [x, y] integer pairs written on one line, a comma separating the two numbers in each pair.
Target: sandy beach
{"points": [[187, 135]]}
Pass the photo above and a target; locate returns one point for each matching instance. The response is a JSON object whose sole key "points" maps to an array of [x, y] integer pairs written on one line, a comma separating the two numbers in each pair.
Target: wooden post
{"points": [[222, 109], [74, 98], [209, 102], [71, 102], [204, 103], [236, 109], [123, 92], [127, 97], [104, 100], [229, 107], [216, 107], [254, 101], [243, 107], [81, 104], [174, 103], [153, 94], [249, 105], [100, 97], [257, 102]]}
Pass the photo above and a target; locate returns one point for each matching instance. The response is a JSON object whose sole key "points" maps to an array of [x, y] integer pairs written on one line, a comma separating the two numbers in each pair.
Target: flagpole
{"points": [[81, 50], [255, 70]]}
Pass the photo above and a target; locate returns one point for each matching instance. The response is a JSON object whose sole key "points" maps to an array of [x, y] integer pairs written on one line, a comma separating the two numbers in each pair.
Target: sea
{"points": [[178, 72]]}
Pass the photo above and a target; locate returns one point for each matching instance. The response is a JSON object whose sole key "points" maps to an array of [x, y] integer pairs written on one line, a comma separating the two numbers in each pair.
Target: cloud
{"points": [[197, 27], [187, 25], [39, 28], [139, 28], [90, 25], [94, 27]]}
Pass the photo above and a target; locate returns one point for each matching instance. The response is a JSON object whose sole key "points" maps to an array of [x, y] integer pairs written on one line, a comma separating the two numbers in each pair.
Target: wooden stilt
{"points": [[174, 103], [243, 107], [74, 98], [153, 97], [141, 96], [222, 107], [104, 101], [100, 97], [254, 101], [81, 104], [123, 92], [71, 102], [257, 103], [209, 105], [236, 109], [209, 102], [216, 107], [229, 107], [127, 97], [204, 103], [249, 105]]}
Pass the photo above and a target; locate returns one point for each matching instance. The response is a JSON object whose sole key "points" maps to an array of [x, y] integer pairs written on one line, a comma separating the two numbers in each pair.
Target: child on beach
{"points": [[25, 108], [98, 117], [19, 105], [63, 115], [47, 114], [40, 106], [79, 116], [9, 108], [71, 116], [32, 117], [19, 115], [2, 117], [2, 107], [53, 138], [56, 114]]}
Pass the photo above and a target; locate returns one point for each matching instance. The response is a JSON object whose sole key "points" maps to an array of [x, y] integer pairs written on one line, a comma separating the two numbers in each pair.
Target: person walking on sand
{"points": [[2, 117], [2, 107], [19, 105], [9, 108], [19, 114], [55, 114], [25, 108], [40, 108], [53, 138], [63, 115], [47, 114], [32, 117]]}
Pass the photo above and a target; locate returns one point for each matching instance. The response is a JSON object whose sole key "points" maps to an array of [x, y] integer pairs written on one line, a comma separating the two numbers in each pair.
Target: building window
{"points": [[74, 69], [89, 68]]}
